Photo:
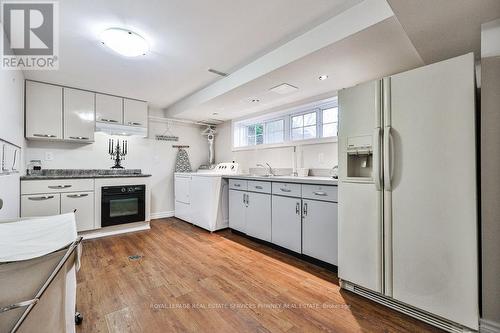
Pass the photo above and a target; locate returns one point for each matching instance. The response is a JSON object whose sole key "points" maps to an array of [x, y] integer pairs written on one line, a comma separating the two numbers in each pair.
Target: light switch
{"points": [[321, 158]]}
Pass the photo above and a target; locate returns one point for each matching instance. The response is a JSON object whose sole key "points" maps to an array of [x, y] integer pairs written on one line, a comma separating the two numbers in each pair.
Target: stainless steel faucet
{"points": [[268, 166], [335, 172]]}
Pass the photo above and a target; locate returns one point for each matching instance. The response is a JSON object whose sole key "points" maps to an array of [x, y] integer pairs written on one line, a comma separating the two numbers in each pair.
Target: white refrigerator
{"points": [[408, 206], [10, 156]]}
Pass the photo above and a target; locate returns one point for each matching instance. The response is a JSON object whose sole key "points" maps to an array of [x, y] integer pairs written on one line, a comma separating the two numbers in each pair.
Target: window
{"points": [[304, 126], [275, 131], [329, 122], [308, 122], [255, 134]]}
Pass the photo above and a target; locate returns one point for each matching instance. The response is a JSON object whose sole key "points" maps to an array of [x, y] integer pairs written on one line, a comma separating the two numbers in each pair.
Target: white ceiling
{"points": [[187, 37], [377, 51], [446, 28]]}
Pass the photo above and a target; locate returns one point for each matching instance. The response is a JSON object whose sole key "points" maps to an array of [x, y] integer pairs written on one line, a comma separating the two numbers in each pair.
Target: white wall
{"points": [[321, 156], [11, 130], [153, 157]]}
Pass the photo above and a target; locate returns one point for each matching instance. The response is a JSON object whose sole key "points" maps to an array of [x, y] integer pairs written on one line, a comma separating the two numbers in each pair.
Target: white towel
{"points": [[33, 238]]}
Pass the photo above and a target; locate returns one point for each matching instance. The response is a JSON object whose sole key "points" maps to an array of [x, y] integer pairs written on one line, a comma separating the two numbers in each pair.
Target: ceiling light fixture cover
{"points": [[284, 89], [323, 77], [124, 42]]}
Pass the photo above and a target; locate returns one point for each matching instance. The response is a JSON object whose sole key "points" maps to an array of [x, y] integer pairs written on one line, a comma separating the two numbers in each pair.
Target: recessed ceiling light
{"points": [[124, 42], [323, 77]]}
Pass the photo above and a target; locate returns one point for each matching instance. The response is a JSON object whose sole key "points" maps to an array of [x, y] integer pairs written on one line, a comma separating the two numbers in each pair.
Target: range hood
{"points": [[117, 129]]}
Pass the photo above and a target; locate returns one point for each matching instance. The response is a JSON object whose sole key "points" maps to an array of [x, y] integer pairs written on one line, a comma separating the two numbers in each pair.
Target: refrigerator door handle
{"points": [[388, 158], [377, 174]]}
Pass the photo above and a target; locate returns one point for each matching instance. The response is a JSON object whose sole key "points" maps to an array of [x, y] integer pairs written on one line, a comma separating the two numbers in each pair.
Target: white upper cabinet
{"points": [[58, 113], [109, 109], [79, 115], [135, 113], [44, 111]]}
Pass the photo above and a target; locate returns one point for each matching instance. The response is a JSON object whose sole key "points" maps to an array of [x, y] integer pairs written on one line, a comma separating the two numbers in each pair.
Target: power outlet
{"points": [[49, 156]]}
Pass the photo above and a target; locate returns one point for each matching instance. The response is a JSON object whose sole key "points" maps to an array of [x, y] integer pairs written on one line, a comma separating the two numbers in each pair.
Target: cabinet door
{"points": [[237, 210], [135, 113], [109, 109], [83, 202], [258, 216], [319, 230], [44, 111], [287, 223], [40, 205], [79, 115], [182, 186]]}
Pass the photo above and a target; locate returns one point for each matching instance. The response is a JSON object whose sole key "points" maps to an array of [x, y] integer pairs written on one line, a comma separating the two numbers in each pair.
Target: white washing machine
{"points": [[201, 198]]}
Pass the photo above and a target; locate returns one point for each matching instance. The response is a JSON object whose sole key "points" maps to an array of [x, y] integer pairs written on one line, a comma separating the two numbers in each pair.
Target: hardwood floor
{"points": [[189, 280]]}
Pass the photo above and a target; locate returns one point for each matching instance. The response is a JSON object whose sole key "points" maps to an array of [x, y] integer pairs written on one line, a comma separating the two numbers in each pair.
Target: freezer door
{"points": [[360, 198], [432, 152]]}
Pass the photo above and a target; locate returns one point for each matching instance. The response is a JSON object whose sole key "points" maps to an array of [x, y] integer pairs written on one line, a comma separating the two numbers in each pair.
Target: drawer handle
{"points": [[237, 185], [134, 124], [59, 186], [79, 137], [46, 197], [109, 120], [320, 193], [45, 135], [285, 190], [77, 195], [259, 187]]}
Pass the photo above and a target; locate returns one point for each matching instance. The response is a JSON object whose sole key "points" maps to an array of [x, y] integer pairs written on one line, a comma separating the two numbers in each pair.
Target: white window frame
{"points": [[286, 115]]}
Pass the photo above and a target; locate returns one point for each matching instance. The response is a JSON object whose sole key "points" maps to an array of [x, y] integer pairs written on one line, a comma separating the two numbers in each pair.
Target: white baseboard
{"points": [[488, 326], [161, 215], [115, 230]]}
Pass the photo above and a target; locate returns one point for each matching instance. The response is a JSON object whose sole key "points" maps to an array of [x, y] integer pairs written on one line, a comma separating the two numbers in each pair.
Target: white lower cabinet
{"points": [[40, 204], [258, 215], [83, 202], [237, 210], [287, 223], [299, 217], [60, 196], [319, 230]]}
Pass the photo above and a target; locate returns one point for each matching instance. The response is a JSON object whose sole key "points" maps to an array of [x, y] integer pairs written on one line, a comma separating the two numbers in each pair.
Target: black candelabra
{"points": [[117, 152]]}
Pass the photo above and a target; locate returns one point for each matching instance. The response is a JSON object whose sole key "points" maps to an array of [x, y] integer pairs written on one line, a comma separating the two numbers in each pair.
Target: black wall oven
{"points": [[123, 204]]}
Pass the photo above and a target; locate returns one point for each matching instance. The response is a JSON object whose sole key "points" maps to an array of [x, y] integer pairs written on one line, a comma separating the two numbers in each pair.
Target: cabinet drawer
{"points": [[45, 204], [258, 186], [56, 185], [287, 189], [320, 192], [238, 184]]}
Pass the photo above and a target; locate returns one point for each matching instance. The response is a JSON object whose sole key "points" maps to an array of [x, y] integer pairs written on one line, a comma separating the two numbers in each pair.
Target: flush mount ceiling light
{"points": [[284, 89], [323, 77], [124, 42]]}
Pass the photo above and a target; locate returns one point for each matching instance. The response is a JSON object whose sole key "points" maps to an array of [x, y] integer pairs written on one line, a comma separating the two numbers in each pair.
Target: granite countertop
{"points": [[289, 179], [84, 173]]}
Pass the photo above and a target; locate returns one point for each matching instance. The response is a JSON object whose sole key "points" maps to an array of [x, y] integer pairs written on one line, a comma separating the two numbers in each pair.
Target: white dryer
{"points": [[201, 198]]}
